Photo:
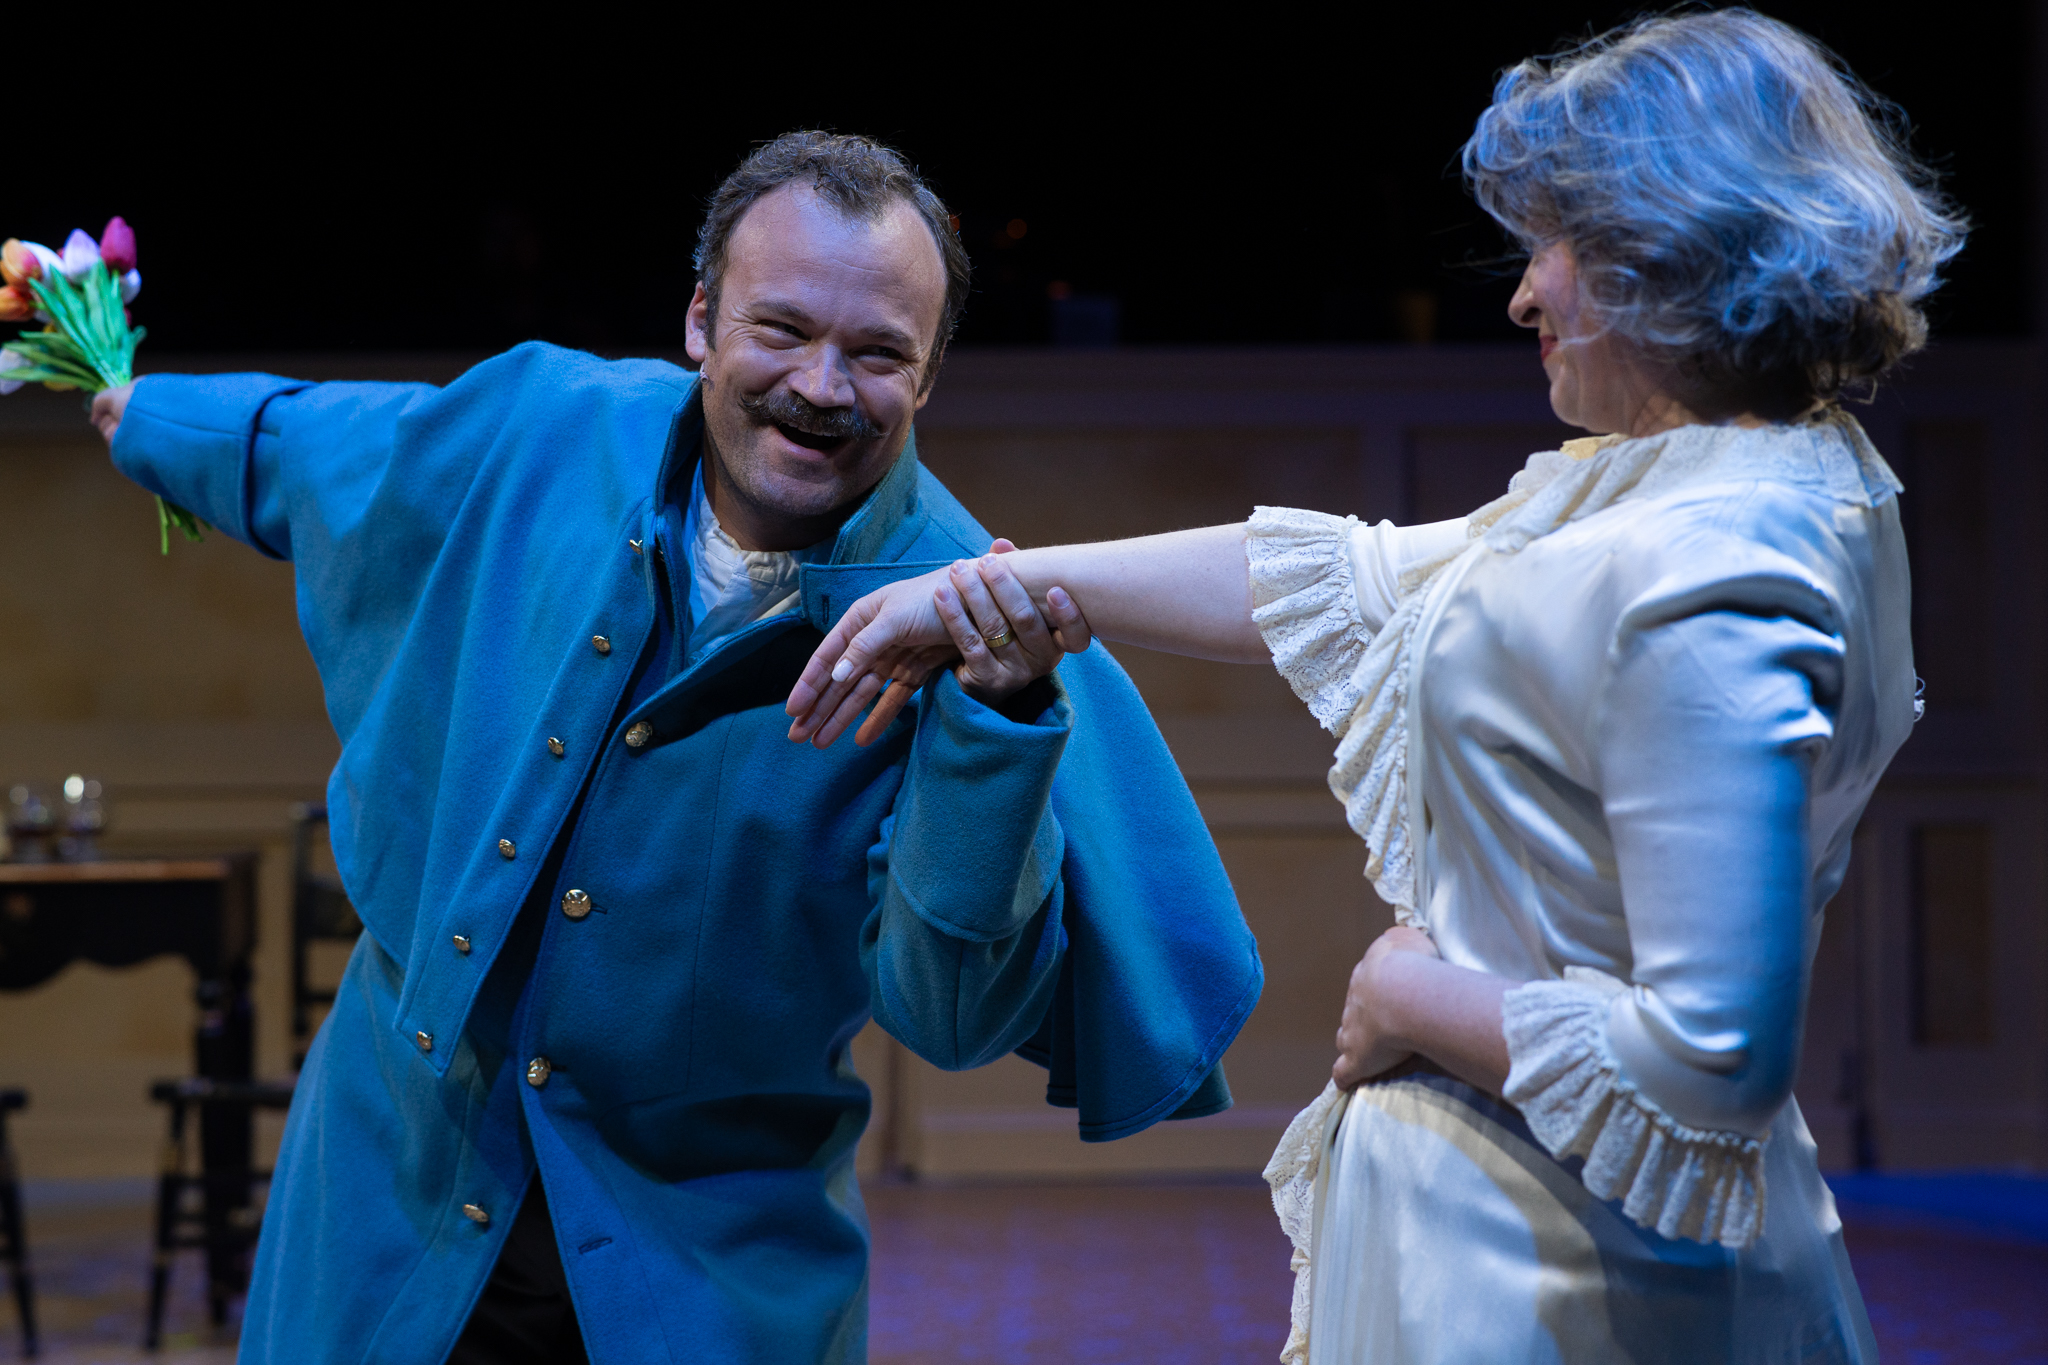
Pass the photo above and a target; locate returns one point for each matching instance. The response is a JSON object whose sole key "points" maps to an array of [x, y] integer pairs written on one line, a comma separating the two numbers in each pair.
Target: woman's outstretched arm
{"points": [[1187, 592]]}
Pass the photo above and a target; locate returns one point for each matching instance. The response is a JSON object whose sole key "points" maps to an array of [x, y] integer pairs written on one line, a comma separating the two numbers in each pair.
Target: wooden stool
{"points": [[13, 1241], [222, 1224]]}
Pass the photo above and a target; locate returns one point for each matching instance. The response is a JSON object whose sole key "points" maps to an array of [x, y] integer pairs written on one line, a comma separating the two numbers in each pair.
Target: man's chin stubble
{"points": [[802, 492]]}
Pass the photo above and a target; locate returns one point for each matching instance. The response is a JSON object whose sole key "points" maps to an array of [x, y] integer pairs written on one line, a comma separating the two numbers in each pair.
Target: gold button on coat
{"points": [[600, 644], [537, 1072], [508, 848], [639, 734], [461, 945], [425, 1040], [576, 904], [554, 746], [475, 1214]]}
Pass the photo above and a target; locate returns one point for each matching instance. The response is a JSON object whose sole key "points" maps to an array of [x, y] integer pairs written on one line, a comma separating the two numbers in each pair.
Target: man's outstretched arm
{"points": [[262, 457]]}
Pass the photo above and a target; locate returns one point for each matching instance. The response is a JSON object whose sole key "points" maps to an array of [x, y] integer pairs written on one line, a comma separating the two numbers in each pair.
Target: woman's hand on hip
{"points": [[1368, 1041]]}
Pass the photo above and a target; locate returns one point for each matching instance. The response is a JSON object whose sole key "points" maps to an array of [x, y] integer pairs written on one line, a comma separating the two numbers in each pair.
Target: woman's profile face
{"points": [[1592, 383]]}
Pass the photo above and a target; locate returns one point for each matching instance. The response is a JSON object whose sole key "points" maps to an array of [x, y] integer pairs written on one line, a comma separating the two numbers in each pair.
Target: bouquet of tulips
{"points": [[80, 295]]}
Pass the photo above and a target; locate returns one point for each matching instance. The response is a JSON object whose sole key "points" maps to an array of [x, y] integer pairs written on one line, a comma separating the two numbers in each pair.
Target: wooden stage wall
{"points": [[183, 685]]}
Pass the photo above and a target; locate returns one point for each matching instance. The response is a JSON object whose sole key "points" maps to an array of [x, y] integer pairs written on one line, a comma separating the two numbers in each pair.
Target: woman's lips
{"points": [[1548, 344]]}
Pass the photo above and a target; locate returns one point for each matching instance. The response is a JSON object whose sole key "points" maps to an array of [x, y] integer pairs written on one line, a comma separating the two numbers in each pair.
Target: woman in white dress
{"points": [[1606, 738]]}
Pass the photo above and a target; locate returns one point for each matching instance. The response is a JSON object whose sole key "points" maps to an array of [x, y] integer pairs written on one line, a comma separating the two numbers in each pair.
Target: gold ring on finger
{"points": [[1001, 637]]}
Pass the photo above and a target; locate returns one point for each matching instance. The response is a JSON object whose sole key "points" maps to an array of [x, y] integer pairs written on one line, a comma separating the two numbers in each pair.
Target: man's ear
{"points": [[697, 327]]}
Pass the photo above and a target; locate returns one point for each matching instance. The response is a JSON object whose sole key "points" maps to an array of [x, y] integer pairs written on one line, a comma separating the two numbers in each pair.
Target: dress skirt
{"points": [[1445, 1233]]}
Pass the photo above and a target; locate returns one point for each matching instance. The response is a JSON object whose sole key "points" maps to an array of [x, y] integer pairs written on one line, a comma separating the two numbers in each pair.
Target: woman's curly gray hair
{"points": [[1736, 200]]}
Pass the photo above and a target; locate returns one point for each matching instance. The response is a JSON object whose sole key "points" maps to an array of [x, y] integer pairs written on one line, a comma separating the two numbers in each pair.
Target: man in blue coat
{"points": [[586, 1087]]}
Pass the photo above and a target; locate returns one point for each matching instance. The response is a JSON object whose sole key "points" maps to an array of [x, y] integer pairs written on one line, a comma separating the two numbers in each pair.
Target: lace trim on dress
{"points": [[1828, 455], [1292, 1173], [1685, 1182], [1355, 681]]}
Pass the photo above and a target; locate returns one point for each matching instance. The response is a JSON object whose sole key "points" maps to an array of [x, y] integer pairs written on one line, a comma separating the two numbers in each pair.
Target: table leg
{"points": [[16, 1239], [226, 1052]]}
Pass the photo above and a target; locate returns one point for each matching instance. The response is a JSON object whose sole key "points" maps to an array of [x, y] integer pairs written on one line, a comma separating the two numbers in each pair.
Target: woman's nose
{"points": [[1523, 310]]}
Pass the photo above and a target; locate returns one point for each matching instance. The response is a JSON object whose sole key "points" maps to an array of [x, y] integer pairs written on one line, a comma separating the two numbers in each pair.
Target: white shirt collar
{"points": [[731, 587]]}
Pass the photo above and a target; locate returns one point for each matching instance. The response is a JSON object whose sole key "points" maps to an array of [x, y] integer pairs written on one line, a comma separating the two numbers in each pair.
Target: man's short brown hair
{"points": [[858, 176]]}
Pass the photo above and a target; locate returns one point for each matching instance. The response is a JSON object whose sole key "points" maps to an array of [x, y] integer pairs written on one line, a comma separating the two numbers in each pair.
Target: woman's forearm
{"points": [[1186, 592], [1451, 1015]]}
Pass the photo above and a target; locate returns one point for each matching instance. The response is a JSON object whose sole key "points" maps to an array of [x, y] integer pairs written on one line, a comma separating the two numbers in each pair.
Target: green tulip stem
{"points": [[89, 345]]}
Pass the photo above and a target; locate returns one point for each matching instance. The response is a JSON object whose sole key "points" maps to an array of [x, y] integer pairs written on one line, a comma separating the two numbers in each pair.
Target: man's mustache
{"points": [[786, 409]]}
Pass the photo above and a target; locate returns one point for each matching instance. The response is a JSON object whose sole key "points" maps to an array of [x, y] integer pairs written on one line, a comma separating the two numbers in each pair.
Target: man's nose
{"points": [[824, 380]]}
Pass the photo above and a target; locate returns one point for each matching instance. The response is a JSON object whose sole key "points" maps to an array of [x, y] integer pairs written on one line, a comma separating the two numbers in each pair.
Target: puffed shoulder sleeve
{"points": [[1322, 588], [1722, 696], [1305, 604]]}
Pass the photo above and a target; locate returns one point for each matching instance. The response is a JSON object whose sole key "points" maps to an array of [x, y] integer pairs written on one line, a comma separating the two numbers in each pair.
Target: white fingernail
{"points": [[842, 670]]}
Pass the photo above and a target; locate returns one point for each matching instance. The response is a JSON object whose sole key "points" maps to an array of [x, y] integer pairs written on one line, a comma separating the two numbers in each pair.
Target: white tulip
{"points": [[81, 255]]}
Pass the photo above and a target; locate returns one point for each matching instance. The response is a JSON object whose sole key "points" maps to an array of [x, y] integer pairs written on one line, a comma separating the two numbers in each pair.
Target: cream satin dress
{"points": [[1609, 737]]}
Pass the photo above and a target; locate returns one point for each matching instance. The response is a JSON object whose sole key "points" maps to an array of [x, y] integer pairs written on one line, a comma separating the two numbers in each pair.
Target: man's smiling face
{"points": [[813, 368]]}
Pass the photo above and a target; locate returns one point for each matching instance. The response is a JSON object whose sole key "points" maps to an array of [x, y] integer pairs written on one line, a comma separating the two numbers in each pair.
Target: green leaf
{"points": [[50, 357]]}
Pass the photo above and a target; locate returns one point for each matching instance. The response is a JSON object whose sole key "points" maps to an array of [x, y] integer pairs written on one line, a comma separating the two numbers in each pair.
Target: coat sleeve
{"points": [[1724, 686], [962, 947], [252, 453], [333, 477], [362, 485]]}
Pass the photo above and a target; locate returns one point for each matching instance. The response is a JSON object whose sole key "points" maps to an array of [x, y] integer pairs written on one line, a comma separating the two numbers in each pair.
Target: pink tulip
{"points": [[16, 304], [117, 246], [50, 261]]}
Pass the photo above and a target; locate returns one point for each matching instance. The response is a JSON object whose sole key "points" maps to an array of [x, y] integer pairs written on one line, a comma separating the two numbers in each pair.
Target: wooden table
{"points": [[118, 913]]}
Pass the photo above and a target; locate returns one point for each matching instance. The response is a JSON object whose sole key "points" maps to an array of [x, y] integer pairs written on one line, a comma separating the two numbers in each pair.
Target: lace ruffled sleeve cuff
{"points": [[1684, 1182], [1305, 604]]}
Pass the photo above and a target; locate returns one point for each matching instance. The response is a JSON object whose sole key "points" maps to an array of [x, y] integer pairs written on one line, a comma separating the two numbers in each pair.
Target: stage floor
{"points": [[1192, 1274]]}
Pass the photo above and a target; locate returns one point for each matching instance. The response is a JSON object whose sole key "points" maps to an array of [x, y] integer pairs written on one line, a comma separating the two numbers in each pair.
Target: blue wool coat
{"points": [[472, 585]]}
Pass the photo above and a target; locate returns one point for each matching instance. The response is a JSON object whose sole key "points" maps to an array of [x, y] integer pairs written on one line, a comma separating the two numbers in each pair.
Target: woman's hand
{"points": [[1368, 1041], [899, 635]]}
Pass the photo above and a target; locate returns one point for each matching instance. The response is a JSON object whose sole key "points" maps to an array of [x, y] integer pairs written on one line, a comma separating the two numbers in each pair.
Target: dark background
{"points": [[1277, 178]]}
